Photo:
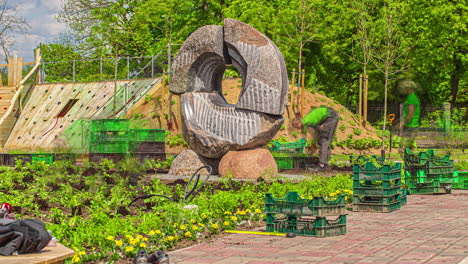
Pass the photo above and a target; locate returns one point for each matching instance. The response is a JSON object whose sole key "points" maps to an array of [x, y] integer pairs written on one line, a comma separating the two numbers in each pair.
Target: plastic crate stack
{"points": [[114, 140], [305, 217], [377, 188], [427, 173], [461, 180], [148, 144], [108, 139]]}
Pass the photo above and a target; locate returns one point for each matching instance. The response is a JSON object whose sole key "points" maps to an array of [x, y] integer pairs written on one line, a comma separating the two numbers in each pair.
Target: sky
{"points": [[40, 15]]}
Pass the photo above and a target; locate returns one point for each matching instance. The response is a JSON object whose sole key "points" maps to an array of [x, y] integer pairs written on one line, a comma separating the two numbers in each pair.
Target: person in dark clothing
{"points": [[324, 120]]}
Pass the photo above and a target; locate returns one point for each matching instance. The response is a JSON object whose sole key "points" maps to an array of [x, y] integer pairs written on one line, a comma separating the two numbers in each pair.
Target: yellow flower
{"points": [[193, 221], [188, 234], [302, 197], [129, 249], [233, 218], [76, 259], [75, 249], [258, 211], [170, 238], [227, 213], [194, 227], [226, 223], [183, 227], [215, 226], [144, 239], [81, 253], [337, 191], [176, 225], [139, 236], [311, 197], [241, 212], [119, 243], [128, 237], [248, 211], [158, 231], [203, 215], [110, 238], [201, 224], [332, 194], [151, 233], [142, 245]]}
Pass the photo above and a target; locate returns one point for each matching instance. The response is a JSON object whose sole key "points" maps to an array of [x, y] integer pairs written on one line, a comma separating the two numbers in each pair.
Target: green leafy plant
{"points": [[357, 131]]}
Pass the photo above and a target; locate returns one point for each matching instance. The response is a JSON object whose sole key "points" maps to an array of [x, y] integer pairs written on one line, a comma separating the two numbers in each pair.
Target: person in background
{"points": [[411, 109], [324, 120]]}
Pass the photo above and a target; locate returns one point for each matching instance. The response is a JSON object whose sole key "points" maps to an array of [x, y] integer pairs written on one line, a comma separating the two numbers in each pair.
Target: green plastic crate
{"points": [[318, 227], [296, 146], [377, 184], [98, 125], [366, 191], [423, 157], [47, 158], [284, 163], [109, 147], [293, 204], [377, 208], [108, 136], [462, 180], [423, 188], [371, 172], [158, 135], [381, 200], [363, 159]]}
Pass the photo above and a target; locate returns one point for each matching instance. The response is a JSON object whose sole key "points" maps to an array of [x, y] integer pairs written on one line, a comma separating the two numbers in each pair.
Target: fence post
{"points": [[128, 67], [74, 77], [401, 119]]}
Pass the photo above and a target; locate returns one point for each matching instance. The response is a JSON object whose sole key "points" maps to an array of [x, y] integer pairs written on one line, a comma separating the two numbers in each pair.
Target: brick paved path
{"points": [[429, 229]]}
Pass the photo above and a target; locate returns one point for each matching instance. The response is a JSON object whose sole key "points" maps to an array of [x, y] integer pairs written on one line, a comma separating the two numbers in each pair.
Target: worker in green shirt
{"points": [[411, 108], [324, 120]]}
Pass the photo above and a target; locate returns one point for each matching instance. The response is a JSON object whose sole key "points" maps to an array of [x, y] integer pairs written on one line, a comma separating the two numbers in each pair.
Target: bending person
{"points": [[324, 120]]}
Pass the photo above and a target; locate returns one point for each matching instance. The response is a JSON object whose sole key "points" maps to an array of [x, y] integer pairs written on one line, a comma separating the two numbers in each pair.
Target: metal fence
{"points": [[432, 118], [103, 69]]}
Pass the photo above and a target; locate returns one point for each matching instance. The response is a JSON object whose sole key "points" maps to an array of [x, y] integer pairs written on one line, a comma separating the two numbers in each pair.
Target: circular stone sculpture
{"points": [[248, 164], [211, 126]]}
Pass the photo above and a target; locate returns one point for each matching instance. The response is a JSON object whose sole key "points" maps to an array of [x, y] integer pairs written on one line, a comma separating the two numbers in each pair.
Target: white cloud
{"points": [[40, 14]]}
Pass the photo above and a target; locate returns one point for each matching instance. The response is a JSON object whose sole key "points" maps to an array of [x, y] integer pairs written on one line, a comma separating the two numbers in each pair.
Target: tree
{"points": [[439, 58], [389, 48], [10, 23]]}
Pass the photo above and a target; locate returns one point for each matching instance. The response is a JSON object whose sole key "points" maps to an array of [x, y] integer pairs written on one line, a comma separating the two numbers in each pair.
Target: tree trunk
{"points": [[455, 80]]}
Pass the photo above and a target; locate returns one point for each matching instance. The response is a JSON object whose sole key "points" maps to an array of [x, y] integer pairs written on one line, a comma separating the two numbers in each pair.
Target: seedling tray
{"points": [[377, 208], [293, 204], [318, 227]]}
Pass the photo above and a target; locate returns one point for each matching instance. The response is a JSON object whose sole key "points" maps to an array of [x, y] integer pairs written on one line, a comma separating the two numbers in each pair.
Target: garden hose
{"points": [[187, 192]]}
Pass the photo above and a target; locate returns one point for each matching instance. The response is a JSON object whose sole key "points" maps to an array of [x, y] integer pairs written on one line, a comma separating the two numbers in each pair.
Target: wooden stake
{"points": [[293, 87], [360, 99], [302, 91], [366, 86], [19, 70], [10, 71]]}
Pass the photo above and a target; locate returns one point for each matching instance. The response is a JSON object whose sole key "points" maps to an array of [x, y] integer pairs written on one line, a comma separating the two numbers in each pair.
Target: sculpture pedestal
{"points": [[187, 162]]}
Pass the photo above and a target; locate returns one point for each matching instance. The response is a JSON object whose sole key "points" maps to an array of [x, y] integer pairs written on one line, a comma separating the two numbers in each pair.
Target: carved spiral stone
{"points": [[210, 125]]}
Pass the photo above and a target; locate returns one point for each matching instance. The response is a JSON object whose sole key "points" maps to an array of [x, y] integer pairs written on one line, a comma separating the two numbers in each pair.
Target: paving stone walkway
{"points": [[429, 229]]}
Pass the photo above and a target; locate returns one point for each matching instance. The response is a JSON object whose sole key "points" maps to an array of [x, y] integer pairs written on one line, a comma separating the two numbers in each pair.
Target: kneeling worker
{"points": [[324, 120]]}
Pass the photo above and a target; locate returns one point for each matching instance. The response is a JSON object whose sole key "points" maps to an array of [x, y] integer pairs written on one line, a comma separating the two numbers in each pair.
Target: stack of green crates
{"points": [[305, 217], [109, 136], [377, 188], [461, 180], [148, 143], [427, 173]]}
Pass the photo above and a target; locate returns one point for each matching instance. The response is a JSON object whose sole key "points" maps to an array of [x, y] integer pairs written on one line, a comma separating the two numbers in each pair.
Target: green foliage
{"points": [[148, 98], [295, 134], [176, 140], [357, 131], [283, 127], [342, 127]]}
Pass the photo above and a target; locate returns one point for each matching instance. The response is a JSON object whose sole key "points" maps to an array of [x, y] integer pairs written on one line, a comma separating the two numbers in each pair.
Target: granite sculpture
{"points": [[211, 126]]}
